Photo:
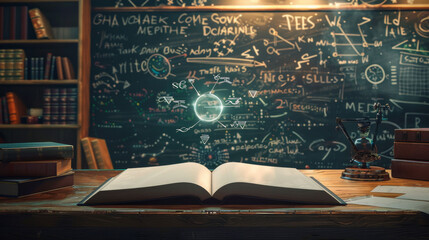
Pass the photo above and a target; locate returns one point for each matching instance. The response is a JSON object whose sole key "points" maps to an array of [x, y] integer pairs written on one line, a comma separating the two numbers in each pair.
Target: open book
{"points": [[229, 179]]}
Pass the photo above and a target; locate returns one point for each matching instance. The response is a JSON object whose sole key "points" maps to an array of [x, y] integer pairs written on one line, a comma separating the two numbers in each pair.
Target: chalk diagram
{"points": [[375, 74], [158, 66], [207, 107]]}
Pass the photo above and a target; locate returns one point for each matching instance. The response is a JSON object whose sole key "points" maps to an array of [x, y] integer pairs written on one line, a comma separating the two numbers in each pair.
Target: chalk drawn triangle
{"points": [[242, 124], [126, 84], [168, 99], [253, 93], [205, 138]]}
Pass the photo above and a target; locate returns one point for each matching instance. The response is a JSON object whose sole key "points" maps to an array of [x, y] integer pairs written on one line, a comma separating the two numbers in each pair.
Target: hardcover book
{"points": [[32, 151], [35, 168], [101, 153], [411, 150], [412, 135], [410, 169], [40, 23], [89, 153], [17, 187], [231, 179]]}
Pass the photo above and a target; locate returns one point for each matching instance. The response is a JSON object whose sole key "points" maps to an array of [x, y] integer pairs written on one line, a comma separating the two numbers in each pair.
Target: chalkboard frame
{"points": [[265, 8]]}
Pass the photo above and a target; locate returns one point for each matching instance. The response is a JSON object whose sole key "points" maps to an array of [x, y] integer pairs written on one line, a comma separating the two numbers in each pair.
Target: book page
{"points": [[145, 177], [234, 172]]}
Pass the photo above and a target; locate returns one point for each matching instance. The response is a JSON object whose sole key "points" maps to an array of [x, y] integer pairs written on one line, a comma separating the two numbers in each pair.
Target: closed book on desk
{"points": [[229, 180], [17, 187], [33, 151], [35, 168], [411, 150], [411, 169], [412, 135]]}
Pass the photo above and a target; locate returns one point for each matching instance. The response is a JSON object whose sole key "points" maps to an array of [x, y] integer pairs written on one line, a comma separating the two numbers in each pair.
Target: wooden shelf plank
{"points": [[38, 82], [40, 41], [39, 126]]}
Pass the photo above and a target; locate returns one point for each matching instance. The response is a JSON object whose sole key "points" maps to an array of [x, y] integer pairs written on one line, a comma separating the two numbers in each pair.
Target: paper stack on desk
{"points": [[414, 198], [28, 168]]}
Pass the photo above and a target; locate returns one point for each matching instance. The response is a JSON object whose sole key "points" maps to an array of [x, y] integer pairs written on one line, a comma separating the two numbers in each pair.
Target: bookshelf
{"points": [[67, 17]]}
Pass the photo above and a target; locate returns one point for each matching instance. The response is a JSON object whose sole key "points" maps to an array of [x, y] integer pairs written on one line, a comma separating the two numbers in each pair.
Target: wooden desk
{"points": [[54, 215]]}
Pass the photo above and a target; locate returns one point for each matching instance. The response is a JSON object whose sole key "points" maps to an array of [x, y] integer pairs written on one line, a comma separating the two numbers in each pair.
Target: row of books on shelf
{"points": [[29, 168], [59, 107], [411, 154], [20, 22], [14, 65]]}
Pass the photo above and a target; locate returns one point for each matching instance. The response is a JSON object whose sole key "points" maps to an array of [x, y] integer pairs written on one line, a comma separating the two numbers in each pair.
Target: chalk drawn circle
{"points": [[375, 74], [208, 107], [422, 28], [158, 66]]}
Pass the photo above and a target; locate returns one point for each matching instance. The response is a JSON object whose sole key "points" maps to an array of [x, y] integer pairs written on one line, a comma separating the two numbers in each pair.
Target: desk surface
{"points": [[46, 209]]}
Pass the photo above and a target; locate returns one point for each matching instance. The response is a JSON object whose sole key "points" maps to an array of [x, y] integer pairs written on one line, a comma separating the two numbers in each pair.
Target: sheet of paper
{"points": [[414, 193], [404, 204]]}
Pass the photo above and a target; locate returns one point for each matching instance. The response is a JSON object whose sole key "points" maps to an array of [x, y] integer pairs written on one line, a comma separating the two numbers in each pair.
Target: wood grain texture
{"points": [[55, 213]]}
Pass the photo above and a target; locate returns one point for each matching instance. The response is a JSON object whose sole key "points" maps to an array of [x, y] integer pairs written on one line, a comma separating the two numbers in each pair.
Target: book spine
{"points": [[34, 168], [53, 64], [40, 24], [5, 110], [12, 22], [62, 106], [6, 25], [408, 150], [2, 22], [41, 68], [24, 22], [66, 67], [47, 66], [46, 184], [71, 117], [47, 106], [55, 95], [2, 64], [412, 135], [19, 64], [101, 154], [26, 68], [13, 110], [1, 113], [99, 158], [32, 68], [89, 154], [60, 75], [36, 153], [410, 169]]}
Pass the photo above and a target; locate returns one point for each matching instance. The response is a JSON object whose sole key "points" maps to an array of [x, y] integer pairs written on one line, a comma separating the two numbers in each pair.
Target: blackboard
{"points": [[255, 87]]}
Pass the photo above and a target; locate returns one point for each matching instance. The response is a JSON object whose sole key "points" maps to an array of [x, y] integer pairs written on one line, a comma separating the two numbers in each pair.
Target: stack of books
{"points": [[34, 167], [411, 154], [12, 64], [96, 153]]}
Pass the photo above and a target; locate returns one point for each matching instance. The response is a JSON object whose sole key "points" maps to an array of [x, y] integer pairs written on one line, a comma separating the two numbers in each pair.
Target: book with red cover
{"points": [[66, 68], [47, 66], [411, 169], [17, 187], [60, 74], [16, 108], [12, 22], [42, 168], [23, 22], [411, 150], [412, 135]]}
